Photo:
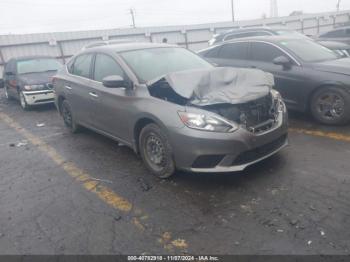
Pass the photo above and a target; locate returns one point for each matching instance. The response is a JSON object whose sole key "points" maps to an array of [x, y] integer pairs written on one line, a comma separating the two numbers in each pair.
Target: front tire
{"points": [[156, 151], [68, 117], [331, 106]]}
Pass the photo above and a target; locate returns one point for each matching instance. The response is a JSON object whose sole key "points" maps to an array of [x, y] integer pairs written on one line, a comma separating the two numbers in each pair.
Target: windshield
{"points": [[37, 65], [291, 33], [149, 64], [309, 51]]}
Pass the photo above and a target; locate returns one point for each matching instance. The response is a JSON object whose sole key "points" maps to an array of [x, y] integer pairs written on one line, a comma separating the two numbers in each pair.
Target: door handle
{"points": [[68, 87], [93, 94]]}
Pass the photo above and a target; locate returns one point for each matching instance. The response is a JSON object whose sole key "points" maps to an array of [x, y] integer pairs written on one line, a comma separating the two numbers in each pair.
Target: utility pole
{"points": [[132, 13], [273, 8], [338, 5], [233, 10]]}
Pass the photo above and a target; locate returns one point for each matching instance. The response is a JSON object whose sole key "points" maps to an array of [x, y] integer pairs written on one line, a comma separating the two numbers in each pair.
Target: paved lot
{"points": [[84, 194]]}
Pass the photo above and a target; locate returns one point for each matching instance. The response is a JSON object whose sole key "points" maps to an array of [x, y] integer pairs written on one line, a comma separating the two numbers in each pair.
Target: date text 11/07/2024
{"points": [[173, 258]]}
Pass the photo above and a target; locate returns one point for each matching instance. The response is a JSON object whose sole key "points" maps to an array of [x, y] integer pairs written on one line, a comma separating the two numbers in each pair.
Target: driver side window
{"points": [[106, 66], [263, 52]]}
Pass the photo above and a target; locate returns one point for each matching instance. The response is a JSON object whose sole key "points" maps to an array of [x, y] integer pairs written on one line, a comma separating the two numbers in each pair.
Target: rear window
{"points": [[234, 51], [82, 65]]}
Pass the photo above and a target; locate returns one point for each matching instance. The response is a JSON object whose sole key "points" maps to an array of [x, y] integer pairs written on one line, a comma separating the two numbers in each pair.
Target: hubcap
{"points": [[67, 116], [330, 105], [155, 151]]}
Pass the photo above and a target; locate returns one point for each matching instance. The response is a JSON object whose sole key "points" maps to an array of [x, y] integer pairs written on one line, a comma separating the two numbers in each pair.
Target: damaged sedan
{"points": [[172, 107]]}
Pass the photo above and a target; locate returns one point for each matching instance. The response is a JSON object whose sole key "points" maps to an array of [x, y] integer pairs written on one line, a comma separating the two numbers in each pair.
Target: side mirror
{"points": [[2, 84], [283, 61], [114, 81]]}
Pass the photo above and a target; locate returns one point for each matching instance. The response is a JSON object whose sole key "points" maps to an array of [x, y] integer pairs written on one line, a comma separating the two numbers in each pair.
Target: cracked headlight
{"points": [[277, 96], [207, 123], [33, 87]]}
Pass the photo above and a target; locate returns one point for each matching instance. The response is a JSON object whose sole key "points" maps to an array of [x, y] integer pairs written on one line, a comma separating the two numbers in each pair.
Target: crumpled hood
{"points": [[220, 85], [339, 66], [36, 78]]}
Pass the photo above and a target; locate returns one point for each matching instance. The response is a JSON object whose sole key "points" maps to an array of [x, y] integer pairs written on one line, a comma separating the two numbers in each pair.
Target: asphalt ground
{"points": [[84, 194]]}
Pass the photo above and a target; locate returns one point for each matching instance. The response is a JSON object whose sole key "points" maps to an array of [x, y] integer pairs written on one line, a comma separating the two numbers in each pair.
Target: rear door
{"points": [[111, 105], [290, 82], [231, 54], [77, 87]]}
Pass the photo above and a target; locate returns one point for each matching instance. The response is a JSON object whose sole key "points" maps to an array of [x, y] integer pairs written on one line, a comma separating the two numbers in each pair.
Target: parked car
{"points": [[309, 77], [27, 79], [338, 47], [340, 34], [173, 107]]}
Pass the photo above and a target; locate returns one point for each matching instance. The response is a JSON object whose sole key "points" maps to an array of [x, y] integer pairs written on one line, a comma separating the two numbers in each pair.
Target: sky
{"points": [[34, 16]]}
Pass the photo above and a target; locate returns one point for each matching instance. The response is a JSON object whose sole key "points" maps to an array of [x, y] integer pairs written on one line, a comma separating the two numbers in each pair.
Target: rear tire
{"points": [[156, 151], [331, 106], [68, 117]]}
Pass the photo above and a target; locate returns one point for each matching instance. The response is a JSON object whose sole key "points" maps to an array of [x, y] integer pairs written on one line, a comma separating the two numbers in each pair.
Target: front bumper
{"points": [[209, 152], [39, 97]]}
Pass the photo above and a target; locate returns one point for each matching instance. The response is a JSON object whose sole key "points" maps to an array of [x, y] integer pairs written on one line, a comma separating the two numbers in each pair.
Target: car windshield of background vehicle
{"points": [[309, 51], [149, 64], [37, 66], [290, 33]]}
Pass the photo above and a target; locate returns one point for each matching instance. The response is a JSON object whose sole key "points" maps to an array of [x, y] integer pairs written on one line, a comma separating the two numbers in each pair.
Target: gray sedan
{"points": [[172, 107]]}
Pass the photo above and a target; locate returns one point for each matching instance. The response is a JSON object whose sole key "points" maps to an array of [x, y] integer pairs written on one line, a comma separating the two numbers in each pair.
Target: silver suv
{"points": [[172, 107]]}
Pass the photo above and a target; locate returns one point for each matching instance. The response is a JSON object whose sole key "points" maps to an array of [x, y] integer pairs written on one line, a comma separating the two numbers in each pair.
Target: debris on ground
{"points": [[145, 186], [294, 222], [101, 180], [12, 145], [312, 208], [117, 218], [22, 143], [280, 230], [322, 233], [40, 124], [309, 242]]}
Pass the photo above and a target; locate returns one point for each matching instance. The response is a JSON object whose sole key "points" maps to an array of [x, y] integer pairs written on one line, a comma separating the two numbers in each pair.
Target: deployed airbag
{"points": [[220, 85]]}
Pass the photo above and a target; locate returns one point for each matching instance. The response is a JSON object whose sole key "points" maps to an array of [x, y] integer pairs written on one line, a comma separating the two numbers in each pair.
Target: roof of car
{"points": [[121, 47], [272, 39], [261, 28], [31, 57]]}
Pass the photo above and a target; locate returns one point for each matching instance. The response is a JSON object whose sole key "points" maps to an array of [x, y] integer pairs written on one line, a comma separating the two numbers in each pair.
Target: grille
{"points": [[256, 116], [209, 161], [252, 155]]}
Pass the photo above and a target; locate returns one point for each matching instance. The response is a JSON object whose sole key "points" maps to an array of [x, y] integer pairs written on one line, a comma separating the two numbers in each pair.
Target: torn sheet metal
{"points": [[220, 85]]}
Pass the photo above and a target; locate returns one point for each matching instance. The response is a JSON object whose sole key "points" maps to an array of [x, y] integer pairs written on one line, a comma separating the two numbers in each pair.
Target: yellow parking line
{"points": [[106, 194], [330, 135]]}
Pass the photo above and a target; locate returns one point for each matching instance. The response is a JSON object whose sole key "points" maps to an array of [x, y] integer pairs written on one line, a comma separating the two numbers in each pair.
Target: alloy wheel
{"points": [[330, 105]]}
